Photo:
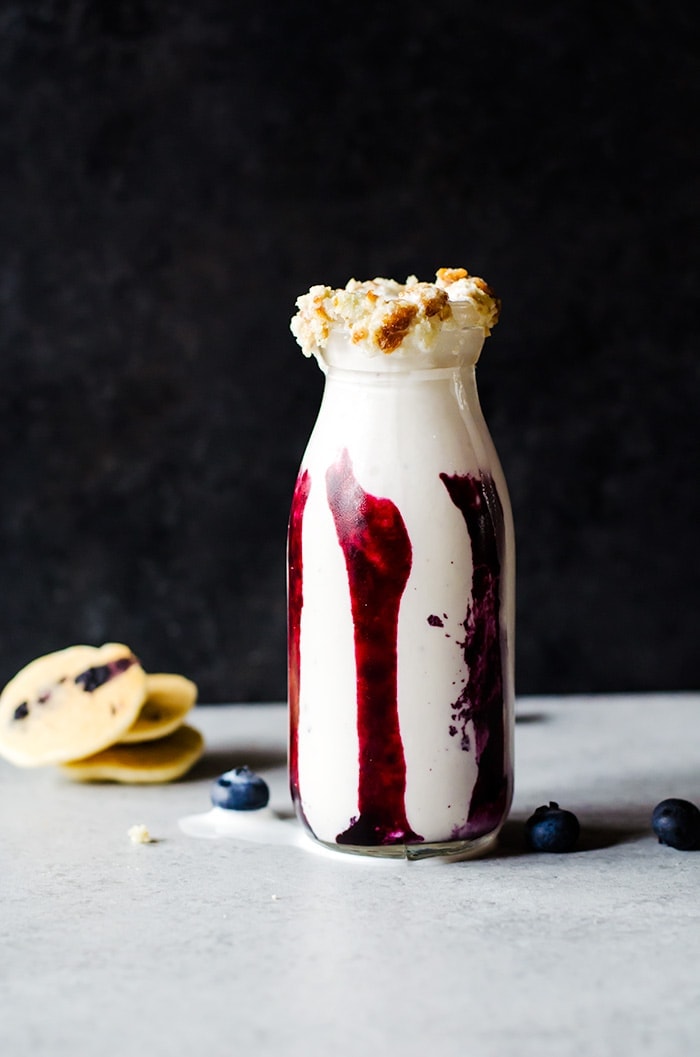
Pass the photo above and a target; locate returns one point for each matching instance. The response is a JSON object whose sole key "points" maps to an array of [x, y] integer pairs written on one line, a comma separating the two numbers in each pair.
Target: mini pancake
{"points": [[144, 763], [70, 703], [168, 700]]}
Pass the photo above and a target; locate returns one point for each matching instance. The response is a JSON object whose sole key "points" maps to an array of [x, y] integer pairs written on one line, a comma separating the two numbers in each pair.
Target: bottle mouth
{"points": [[452, 347]]}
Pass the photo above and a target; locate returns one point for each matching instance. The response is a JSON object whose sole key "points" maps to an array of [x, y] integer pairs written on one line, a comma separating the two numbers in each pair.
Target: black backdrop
{"points": [[173, 174]]}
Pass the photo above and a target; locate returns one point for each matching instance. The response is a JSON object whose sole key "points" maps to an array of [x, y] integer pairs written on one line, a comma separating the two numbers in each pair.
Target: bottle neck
{"points": [[348, 376], [452, 349]]}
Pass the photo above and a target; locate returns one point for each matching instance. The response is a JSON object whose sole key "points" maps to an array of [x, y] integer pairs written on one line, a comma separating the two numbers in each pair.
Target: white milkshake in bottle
{"points": [[401, 577]]}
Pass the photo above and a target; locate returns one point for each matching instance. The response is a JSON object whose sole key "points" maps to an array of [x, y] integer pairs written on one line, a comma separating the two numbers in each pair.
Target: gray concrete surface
{"points": [[188, 946]]}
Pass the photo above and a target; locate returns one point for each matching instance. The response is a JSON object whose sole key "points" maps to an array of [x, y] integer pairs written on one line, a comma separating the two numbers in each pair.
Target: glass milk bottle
{"points": [[401, 579]]}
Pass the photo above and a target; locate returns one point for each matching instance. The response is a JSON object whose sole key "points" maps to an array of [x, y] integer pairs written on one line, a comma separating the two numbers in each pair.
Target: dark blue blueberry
{"points": [[677, 823], [93, 678], [240, 790], [552, 829]]}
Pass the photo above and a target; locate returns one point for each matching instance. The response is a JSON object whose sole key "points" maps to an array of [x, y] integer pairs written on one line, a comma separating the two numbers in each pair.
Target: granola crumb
{"points": [[383, 317], [139, 834]]}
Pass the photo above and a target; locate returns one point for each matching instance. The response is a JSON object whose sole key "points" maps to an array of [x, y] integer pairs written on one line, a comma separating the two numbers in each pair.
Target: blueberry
{"points": [[93, 678], [677, 823], [552, 829], [240, 790]]}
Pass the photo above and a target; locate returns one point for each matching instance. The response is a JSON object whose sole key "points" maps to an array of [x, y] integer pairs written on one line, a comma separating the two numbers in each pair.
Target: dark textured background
{"points": [[173, 174]]}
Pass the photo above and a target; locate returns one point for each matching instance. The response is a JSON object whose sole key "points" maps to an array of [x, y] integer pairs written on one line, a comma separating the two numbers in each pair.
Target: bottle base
{"points": [[447, 851]]}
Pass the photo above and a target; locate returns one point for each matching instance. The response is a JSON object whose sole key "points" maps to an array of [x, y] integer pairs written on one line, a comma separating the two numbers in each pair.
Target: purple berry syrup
{"points": [[378, 558], [296, 601], [481, 700]]}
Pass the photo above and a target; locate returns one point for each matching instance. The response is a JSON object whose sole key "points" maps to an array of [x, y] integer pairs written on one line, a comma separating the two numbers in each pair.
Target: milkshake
{"points": [[401, 577]]}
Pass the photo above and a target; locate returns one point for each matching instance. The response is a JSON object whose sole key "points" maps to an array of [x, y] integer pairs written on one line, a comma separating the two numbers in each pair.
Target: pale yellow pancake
{"points": [[168, 700], [143, 763], [70, 704]]}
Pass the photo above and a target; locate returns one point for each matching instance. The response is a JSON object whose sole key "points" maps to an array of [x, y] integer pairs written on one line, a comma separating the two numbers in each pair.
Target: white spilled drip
{"points": [[264, 826]]}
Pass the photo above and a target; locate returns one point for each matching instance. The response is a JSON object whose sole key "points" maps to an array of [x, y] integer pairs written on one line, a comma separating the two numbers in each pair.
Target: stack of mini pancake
{"points": [[98, 715]]}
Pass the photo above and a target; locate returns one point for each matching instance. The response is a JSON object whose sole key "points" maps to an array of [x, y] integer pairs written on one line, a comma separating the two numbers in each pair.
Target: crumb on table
{"points": [[139, 834]]}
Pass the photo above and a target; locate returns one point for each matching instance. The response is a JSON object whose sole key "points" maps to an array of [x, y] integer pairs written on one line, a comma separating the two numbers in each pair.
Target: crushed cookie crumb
{"points": [[451, 275], [395, 327], [139, 834], [439, 305], [382, 316]]}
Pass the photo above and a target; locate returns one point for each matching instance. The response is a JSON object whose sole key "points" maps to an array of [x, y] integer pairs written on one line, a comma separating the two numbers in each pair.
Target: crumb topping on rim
{"points": [[381, 316]]}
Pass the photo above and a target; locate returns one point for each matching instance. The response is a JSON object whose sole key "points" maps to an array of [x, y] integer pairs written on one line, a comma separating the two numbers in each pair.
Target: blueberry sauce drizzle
{"points": [[378, 558], [481, 699], [296, 602], [93, 678]]}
